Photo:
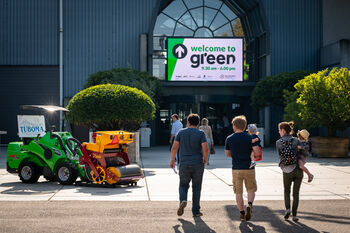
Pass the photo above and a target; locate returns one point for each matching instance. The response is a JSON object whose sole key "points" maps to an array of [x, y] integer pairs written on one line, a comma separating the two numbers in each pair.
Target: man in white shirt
{"points": [[175, 128]]}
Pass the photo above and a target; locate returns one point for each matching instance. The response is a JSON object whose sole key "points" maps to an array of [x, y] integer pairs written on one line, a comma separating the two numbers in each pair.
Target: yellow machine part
{"points": [[104, 140], [117, 174], [102, 175]]}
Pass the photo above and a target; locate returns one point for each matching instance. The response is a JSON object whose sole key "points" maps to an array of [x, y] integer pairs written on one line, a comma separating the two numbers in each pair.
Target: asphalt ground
{"points": [[153, 216]]}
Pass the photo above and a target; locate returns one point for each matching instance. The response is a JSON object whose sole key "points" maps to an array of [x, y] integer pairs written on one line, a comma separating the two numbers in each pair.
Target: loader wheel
{"points": [[50, 178], [66, 173], [100, 177], [116, 173], [29, 172]]}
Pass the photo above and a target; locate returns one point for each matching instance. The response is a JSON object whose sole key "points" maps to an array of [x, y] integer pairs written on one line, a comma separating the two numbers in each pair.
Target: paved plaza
{"points": [[324, 205], [331, 182]]}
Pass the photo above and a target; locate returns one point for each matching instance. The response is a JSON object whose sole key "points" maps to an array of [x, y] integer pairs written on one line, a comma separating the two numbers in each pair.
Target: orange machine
{"points": [[106, 159]]}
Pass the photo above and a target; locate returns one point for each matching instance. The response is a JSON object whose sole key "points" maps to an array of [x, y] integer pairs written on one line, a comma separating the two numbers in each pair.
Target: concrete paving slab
{"points": [[332, 181], [145, 216]]}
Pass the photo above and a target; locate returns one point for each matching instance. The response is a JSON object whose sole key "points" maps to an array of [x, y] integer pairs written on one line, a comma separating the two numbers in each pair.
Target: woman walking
{"points": [[287, 147], [208, 134]]}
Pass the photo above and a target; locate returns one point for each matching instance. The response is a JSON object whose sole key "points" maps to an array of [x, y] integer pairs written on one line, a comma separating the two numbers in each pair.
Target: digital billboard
{"points": [[205, 59]]}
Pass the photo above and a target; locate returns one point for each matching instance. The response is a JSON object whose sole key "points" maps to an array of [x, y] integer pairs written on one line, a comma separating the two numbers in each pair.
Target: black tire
{"points": [[48, 174], [51, 178], [29, 172], [66, 173]]}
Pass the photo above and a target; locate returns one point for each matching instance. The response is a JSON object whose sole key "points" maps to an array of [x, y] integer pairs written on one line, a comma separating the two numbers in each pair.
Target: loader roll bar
{"points": [[50, 108]]}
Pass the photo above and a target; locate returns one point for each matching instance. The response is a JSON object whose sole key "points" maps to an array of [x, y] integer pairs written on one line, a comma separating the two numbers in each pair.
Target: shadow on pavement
{"points": [[19, 188], [188, 227], [250, 227], [265, 214], [326, 218]]}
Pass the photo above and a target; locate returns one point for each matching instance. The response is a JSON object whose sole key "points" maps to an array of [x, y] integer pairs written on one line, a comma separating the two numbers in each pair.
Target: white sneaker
{"points": [[252, 165]]}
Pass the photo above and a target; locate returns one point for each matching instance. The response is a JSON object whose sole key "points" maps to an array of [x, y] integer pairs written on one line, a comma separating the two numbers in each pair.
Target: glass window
{"points": [[225, 31], [159, 68], [198, 16], [159, 42], [164, 25], [237, 28], [175, 9], [193, 3], [192, 18], [227, 12], [209, 16], [218, 21], [203, 32], [213, 3], [182, 31], [188, 21]]}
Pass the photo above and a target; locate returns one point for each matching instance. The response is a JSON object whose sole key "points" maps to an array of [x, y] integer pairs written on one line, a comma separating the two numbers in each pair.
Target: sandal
{"points": [[310, 178]]}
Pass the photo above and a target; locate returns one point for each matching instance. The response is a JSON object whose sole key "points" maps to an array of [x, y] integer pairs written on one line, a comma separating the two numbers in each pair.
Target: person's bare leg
{"points": [[252, 156], [302, 167], [251, 197], [240, 202]]}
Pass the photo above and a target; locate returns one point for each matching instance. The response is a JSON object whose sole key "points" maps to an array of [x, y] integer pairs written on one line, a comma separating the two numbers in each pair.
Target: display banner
{"points": [[30, 125], [205, 59]]}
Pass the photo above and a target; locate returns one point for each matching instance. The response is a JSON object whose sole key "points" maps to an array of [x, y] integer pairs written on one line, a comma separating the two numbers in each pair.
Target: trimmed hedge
{"points": [[269, 90], [149, 84], [111, 107]]}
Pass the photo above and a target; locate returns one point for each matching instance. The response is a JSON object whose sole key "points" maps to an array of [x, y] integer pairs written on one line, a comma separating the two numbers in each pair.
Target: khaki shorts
{"points": [[248, 176]]}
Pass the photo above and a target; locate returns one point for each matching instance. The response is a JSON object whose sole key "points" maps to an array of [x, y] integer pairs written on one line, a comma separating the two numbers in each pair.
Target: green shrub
{"points": [[269, 90], [292, 110], [152, 86], [323, 99], [110, 107]]}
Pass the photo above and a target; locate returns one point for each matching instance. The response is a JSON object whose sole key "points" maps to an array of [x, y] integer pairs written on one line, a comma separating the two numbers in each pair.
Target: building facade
{"points": [[48, 49]]}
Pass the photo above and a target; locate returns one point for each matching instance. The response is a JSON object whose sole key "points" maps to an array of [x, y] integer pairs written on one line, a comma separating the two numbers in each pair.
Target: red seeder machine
{"points": [[106, 159]]}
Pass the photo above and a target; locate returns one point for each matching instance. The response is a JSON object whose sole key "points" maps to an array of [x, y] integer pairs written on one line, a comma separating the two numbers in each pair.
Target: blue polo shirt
{"points": [[240, 145], [191, 140]]}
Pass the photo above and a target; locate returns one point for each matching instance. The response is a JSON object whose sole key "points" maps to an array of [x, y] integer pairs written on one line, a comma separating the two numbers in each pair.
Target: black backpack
{"points": [[288, 154]]}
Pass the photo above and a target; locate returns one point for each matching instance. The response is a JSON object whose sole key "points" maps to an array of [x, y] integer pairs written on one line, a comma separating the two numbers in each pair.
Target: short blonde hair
{"points": [[240, 122], [204, 121]]}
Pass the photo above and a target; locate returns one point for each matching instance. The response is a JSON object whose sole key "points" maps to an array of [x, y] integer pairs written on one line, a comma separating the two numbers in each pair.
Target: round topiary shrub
{"points": [[149, 84], [111, 107]]}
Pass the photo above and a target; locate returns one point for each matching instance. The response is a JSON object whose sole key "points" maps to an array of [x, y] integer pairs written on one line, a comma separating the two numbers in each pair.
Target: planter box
{"points": [[330, 147], [134, 149]]}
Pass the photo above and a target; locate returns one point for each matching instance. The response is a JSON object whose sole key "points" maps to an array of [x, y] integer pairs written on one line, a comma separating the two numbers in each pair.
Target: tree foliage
{"points": [[323, 99], [150, 85], [269, 90], [292, 110], [111, 107]]}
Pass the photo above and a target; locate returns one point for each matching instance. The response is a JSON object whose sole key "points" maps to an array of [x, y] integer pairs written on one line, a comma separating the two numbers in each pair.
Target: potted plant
{"points": [[111, 107], [323, 99]]}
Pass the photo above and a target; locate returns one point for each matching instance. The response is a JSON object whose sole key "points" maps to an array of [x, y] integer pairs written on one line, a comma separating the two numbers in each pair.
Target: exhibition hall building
{"points": [[208, 54]]}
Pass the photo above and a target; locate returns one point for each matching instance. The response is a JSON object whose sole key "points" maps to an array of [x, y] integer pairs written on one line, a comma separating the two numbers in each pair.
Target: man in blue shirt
{"points": [[193, 156], [239, 146], [175, 128]]}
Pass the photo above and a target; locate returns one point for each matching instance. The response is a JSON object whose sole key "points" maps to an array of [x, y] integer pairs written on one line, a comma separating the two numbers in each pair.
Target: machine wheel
{"points": [[50, 178], [116, 173], [101, 175], [66, 173], [29, 172], [48, 174]]}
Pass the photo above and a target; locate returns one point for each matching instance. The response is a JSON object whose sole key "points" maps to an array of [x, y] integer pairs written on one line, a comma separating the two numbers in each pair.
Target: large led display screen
{"points": [[205, 59]]}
